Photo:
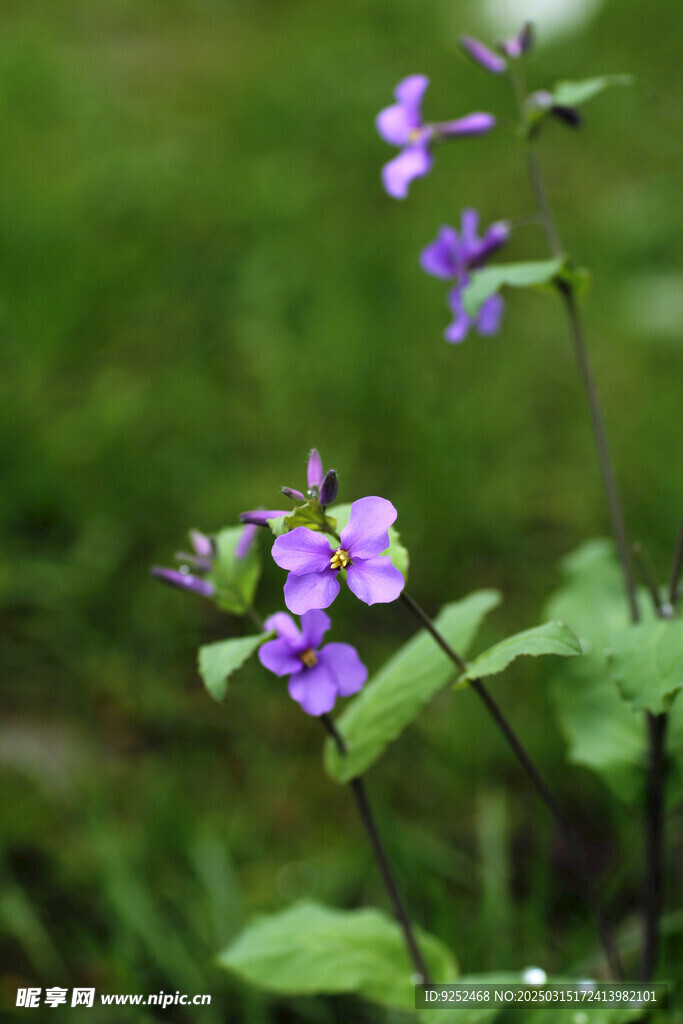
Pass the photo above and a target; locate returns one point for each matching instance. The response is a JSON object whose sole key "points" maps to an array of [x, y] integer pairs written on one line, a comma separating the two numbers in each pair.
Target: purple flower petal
{"points": [[285, 627], [202, 544], [346, 668], [477, 123], [314, 625], [315, 469], [302, 551], [314, 689], [414, 162], [366, 533], [469, 226], [184, 581], [409, 93], [375, 580], [393, 125], [489, 316], [260, 516], [481, 54], [495, 236], [457, 331], [246, 540], [277, 656], [441, 257], [316, 590]]}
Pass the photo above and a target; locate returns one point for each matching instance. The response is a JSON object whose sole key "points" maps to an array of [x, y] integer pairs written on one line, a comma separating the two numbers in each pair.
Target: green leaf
{"points": [[311, 516], [602, 731], [489, 281], [550, 638], [646, 662], [396, 551], [309, 949], [394, 697], [216, 662], [572, 94], [235, 578]]}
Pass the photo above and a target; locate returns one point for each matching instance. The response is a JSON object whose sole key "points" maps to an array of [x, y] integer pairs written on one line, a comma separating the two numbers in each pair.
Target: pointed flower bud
{"points": [[517, 46], [482, 55], [329, 488], [184, 581], [291, 492], [260, 516], [193, 561], [247, 538], [315, 469], [202, 544]]}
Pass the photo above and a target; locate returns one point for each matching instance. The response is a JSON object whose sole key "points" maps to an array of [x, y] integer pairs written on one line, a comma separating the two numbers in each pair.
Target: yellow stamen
{"points": [[308, 657], [340, 559]]}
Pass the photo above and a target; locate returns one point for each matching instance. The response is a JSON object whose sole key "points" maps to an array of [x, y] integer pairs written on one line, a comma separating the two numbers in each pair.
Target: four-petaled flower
{"points": [[314, 566], [317, 675], [452, 256], [401, 125]]}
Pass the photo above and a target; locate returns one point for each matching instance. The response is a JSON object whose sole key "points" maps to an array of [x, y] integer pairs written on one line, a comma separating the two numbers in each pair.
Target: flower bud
{"points": [[291, 492], [247, 537], [260, 516], [315, 469], [193, 561], [518, 45], [184, 581], [329, 488], [202, 544], [481, 55]]}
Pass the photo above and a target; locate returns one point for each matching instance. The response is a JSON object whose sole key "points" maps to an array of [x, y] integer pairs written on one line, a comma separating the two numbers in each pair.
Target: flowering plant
{"points": [[623, 650]]}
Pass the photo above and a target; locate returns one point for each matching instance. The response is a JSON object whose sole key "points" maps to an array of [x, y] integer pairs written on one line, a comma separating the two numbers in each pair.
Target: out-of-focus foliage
{"points": [[200, 278]]}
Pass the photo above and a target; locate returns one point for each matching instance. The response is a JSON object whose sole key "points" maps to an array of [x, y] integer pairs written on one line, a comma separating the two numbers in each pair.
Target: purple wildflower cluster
{"points": [[452, 255], [321, 485]]}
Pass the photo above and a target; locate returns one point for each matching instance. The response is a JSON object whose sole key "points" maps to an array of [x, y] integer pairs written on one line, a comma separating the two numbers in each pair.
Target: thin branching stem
{"points": [[652, 903], [360, 796], [566, 830]]}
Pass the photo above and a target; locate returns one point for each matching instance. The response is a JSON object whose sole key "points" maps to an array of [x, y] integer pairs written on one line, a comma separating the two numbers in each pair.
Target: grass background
{"points": [[201, 278]]}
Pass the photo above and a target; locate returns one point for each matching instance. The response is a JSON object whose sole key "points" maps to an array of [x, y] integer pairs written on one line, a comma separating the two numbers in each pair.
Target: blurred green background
{"points": [[200, 279]]}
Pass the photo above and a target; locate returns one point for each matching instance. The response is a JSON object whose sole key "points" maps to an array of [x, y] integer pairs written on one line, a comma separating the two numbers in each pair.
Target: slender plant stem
{"points": [[656, 723], [654, 879], [676, 567], [360, 796], [540, 785]]}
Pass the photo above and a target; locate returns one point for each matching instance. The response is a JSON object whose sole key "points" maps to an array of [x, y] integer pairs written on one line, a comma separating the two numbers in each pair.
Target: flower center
{"points": [[308, 657], [340, 559]]}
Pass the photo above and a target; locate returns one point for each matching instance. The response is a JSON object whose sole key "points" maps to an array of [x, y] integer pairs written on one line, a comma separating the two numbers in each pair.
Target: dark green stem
{"points": [[676, 567], [570, 839], [656, 724], [362, 804]]}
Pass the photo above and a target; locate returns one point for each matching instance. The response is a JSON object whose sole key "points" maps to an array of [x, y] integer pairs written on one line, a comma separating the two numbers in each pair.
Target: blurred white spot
{"points": [[551, 18], [580, 1018], [534, 976]]}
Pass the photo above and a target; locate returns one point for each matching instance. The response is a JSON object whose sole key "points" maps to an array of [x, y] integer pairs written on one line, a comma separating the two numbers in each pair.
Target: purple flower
{"points": [[201, 562], [317, 675], [314, 566], [401, 125], [482, 56], [451, 256]]}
